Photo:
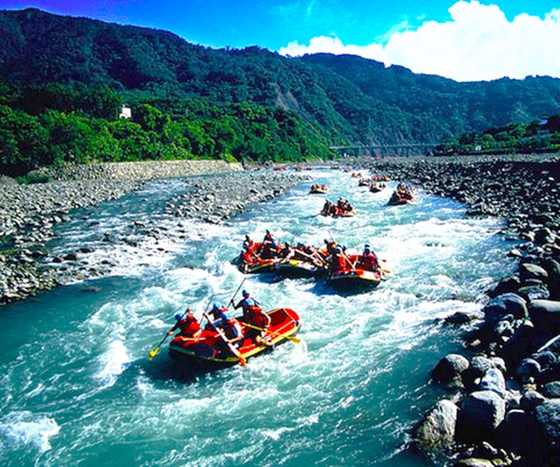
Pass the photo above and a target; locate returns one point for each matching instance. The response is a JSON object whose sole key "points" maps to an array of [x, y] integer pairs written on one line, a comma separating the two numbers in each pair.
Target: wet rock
{"points": [[531, 400], [493, 380], [505, 304], [482, 413], [532, 271], [545, 314], [534, 292], [552, 390], [463, 317], [437, 431], [520, 344], [527, 369], [517, 432], [450, 369], [546, 450], [479, 365]]}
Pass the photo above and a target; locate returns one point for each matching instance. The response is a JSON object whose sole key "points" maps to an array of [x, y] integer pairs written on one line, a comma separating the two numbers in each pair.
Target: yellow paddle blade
{"points": [[294, 339], [153, 353]]}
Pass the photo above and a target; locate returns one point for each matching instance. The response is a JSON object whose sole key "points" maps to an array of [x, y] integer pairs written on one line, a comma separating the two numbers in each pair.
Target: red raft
{"points": [[356, 276], [211, 350], [255, 263], [346, 278]]}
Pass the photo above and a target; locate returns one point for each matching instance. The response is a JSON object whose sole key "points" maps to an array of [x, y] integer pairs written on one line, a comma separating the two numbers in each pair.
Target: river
{"points": [[77, 388]]}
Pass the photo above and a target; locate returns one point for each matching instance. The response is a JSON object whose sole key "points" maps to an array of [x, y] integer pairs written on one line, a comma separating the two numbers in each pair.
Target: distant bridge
{"points": [[384, 146], [406, 148]]}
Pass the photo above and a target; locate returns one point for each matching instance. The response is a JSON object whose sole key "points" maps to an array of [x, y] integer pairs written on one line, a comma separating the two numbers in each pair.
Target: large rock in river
{"points": [[545, 315], [546, 450], [437, 431], [503, 305], [450, 369], [482, 413]]}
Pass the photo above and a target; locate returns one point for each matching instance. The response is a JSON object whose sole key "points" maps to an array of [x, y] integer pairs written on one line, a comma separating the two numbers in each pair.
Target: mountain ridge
{"points": [[352, 99]]}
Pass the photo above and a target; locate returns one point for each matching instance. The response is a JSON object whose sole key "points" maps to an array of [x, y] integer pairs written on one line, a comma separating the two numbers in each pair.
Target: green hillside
{"points": [[63, 81]]}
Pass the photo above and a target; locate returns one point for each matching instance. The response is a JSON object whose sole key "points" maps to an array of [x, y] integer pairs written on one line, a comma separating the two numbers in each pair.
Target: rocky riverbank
{"points": [[503, 402], [29, 213]]}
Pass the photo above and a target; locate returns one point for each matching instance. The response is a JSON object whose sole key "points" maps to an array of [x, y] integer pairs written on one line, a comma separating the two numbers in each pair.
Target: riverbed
{"points": [[79, 390]]}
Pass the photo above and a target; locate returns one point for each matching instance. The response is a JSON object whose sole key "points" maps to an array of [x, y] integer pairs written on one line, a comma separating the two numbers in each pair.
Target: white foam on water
{"points": [[29, 429], [113, 362], [357, 367]]}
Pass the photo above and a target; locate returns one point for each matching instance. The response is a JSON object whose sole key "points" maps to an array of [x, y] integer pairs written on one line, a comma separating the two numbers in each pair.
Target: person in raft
{"points": [[339, 260], [254, 315], [368, 260], [248, 243], [245, 303], [187, 324], [232, 328]]}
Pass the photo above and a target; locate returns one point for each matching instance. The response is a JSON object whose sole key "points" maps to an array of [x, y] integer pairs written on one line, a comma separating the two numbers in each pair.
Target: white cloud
{"points": [[479, 43]]}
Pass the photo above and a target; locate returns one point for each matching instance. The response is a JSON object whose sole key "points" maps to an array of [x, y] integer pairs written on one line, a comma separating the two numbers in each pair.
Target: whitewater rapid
{"points": [[77, 388]]}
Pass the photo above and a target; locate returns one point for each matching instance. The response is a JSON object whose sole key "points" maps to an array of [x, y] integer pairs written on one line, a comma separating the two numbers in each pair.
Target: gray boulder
{"points": [[437, 431], [531, 400], [521, 343], [482, 413], [527, 369], [450, 369], [517, 432], [545, 314], [534, 292], [479, 366], [503, 305], [493, 380], [532, 271], [546, 448], [552, 390]]}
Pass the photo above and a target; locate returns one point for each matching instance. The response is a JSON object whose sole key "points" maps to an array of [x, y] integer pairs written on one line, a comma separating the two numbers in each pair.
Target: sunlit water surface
{"points": [[77, 388]]}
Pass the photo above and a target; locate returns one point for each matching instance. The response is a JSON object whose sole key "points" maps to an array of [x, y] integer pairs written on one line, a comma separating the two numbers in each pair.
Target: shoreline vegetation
{"points": [[503, 391]]}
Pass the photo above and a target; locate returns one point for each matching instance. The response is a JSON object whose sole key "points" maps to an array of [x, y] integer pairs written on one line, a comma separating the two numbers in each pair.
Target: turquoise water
{"points": [[77, 388]]}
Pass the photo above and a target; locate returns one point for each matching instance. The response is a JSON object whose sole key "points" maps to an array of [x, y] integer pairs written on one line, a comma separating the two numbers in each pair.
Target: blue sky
{"points": [[466, 40]]}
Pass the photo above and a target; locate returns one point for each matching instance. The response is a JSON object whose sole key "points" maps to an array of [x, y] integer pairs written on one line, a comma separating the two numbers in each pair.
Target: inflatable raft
{"points": [[211, 350], [351, 278]]}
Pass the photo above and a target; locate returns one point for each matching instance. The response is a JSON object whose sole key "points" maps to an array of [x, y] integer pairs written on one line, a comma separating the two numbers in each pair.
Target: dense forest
{"points": [[537, 137], [56, 123], [63, 81]]}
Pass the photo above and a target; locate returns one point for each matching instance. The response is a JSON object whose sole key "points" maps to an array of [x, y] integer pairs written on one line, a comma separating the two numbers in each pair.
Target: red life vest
{"points": [[256, 316], [189, 326], [339, 262], [369, 262]]}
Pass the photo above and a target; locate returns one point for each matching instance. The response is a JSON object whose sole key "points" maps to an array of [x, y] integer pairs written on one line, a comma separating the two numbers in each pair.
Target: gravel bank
{"points": [[503, 402], [28, 214]]}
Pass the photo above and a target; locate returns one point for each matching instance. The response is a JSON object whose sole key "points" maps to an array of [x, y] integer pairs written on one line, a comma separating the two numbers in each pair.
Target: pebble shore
{"points": [[28, 214], [503, 390]]}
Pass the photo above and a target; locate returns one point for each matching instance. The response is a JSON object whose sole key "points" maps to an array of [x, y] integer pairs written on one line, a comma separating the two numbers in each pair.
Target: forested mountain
{"points": [[78, 66]]}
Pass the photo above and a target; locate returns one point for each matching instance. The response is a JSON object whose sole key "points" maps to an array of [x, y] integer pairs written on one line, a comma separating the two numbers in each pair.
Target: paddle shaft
{"points": [[154, 352], [294, 339], [233, 350], [236, 292]]}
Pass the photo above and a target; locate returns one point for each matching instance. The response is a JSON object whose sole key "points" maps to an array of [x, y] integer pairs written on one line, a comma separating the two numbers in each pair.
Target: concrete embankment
{"points": [[503, 403], [28, 213]]}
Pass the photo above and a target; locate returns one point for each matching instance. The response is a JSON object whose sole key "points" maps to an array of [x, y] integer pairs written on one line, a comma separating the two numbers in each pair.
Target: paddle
{"points": [[314, 259], [236, 292], [293, 339], [233, 350], [154, 352]]}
